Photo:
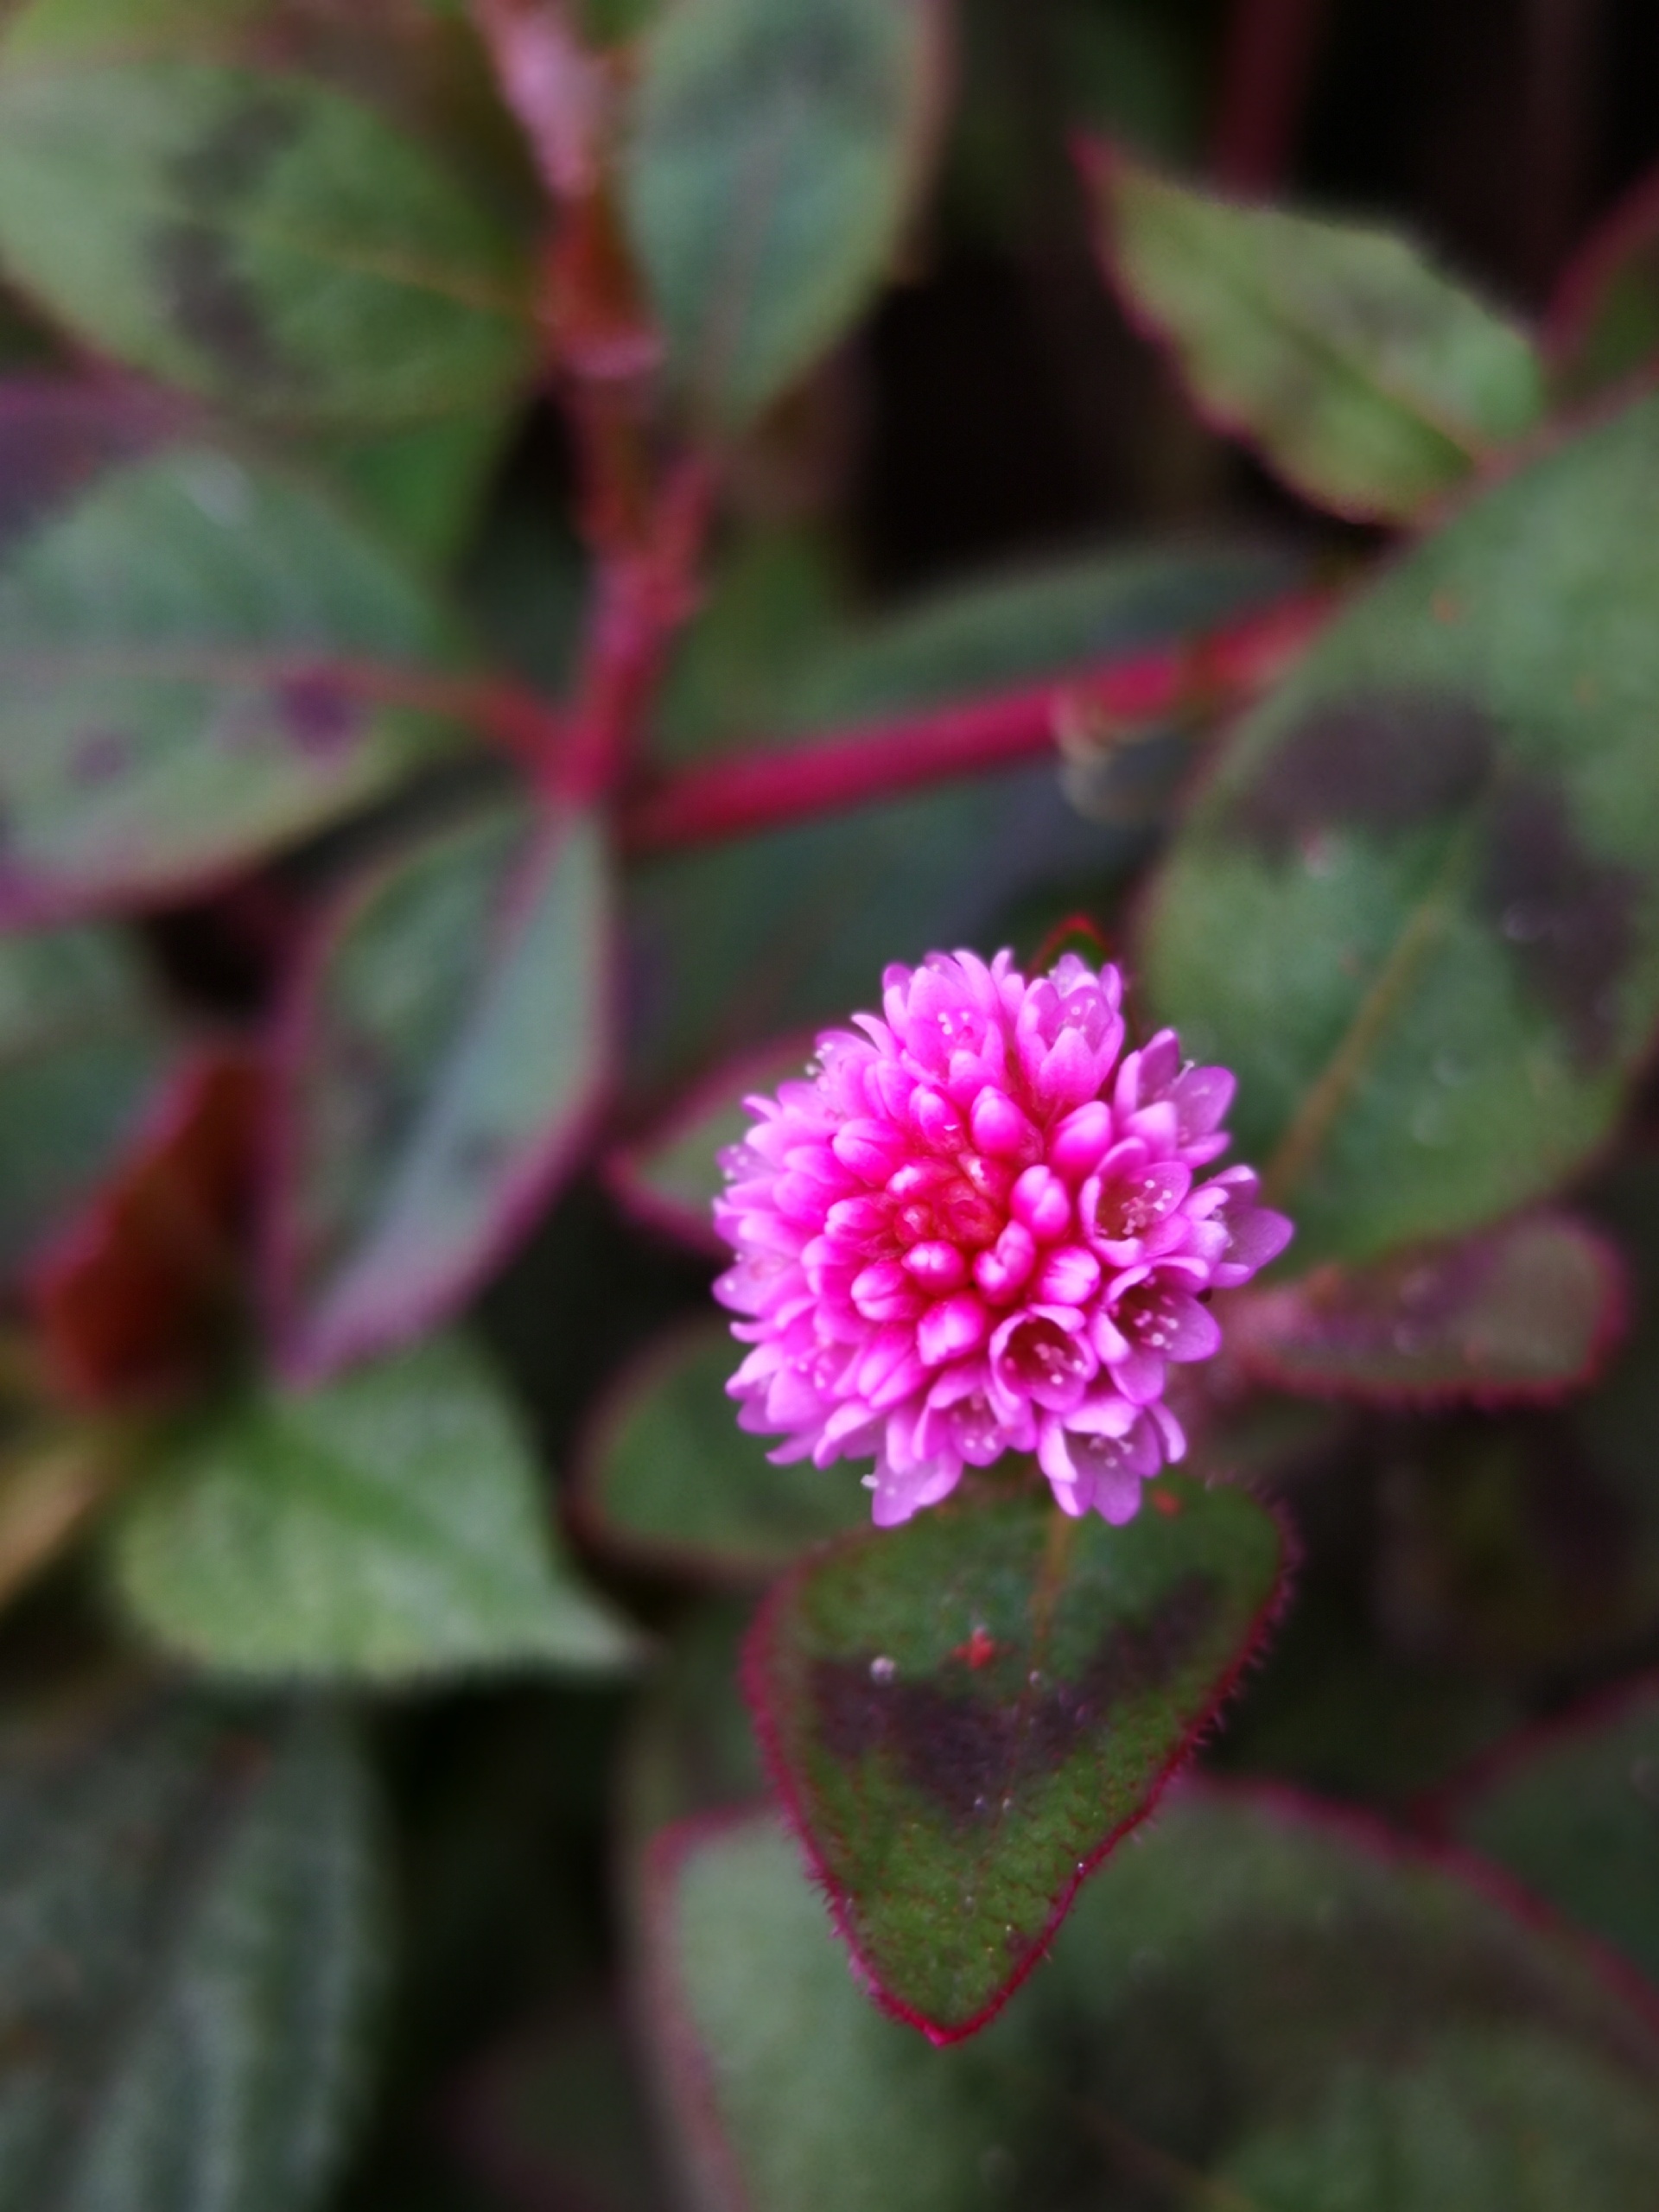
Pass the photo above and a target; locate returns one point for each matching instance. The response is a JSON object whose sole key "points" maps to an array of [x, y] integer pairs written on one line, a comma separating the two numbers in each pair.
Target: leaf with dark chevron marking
{"points": [[965, 1715]]}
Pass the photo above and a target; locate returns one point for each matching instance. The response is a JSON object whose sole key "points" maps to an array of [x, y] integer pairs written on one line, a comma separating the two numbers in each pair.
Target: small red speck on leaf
{"points": [[979, 1650], [1166, 1502]]}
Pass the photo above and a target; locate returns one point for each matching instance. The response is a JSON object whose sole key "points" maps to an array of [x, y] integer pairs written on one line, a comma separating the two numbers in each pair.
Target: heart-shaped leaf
{"points": [[966, 1713], [671, 1176], [385, 1529], [669, 1480], [1529, 1309], [83, 1052], [438, 1071], [1370, 381], [1415, 909], [1573, 1809], [190, 1957], [264, 238], [201, 659], [1262, 2007], [772, 160]]}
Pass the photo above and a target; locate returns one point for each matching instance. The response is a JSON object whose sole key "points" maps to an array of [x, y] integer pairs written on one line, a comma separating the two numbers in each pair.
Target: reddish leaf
{"points": [[133, 1299], [1529, 1309], [965, 1715]]}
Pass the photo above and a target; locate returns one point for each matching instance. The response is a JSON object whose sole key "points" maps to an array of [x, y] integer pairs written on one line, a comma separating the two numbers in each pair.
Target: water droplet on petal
{"points": [[883, 1670]]}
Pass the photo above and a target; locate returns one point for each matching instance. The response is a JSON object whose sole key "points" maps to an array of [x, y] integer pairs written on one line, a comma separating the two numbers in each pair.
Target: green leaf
{"points": [[670, 1480], [967, 1713], [421, 486], [774, 157], [1372, 383], [1529, 1309], [190, 1958], [263, 239], [441, 1063], [83, 1049], [966, 864], [1414, 907], [193, 654], [1572, 1810], [1258, 2007], [388, 1528]]}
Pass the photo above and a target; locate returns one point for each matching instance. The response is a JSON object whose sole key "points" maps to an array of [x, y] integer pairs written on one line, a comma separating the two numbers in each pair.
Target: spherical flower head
{"points": [[976, 1227]]}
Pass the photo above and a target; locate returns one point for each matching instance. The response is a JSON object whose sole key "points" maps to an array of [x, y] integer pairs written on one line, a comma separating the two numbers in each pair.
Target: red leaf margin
{"points": [[753, 1670], [687, 2088], [306, 1354], [1256, 1358], [1097, 161]]}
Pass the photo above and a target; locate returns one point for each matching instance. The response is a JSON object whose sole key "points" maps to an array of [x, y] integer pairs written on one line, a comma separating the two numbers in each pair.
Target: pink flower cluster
{"points": [[974, 1228]]}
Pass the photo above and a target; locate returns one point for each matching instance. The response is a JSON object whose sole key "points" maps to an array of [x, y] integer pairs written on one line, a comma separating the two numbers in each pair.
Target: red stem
{"points": [[1268, 67], [642, 594], [763, 788]]}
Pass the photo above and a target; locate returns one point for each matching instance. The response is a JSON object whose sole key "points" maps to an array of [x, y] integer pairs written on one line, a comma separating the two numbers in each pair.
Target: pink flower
{"points": [[973, 1229]]}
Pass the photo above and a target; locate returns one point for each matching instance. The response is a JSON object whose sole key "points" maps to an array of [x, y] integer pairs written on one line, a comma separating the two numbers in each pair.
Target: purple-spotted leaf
{"points": [[669, 1480], [262, 238], [671, 1175], [965, 1715], [1529, 1309], [1263, 2008], [201, 659], [1604, 321], [1573, 1809], [1370, 381], [439, 1066], [1416, 906]]}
